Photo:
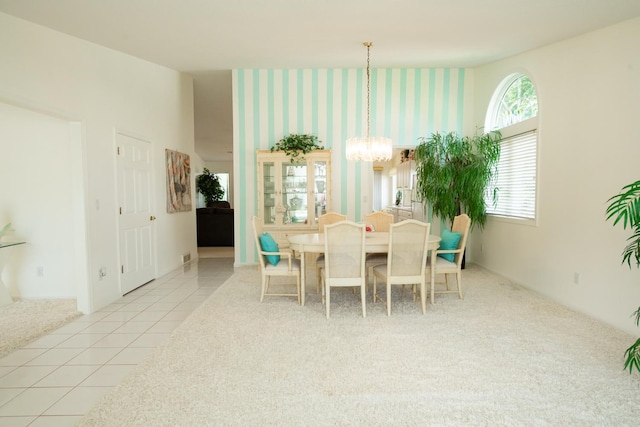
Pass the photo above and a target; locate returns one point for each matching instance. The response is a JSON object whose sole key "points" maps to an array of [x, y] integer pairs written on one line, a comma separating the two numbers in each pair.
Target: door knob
{"points": [[152, 218]]}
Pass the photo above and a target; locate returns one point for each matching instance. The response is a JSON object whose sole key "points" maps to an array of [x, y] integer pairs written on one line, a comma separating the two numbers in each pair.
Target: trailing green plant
{"points": [[624, 208], [454, 172], [295, 146], [6, 229], [208, 184]]}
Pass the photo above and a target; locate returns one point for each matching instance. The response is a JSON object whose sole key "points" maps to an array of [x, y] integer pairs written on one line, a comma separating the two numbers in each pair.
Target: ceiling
{"points": [[210, 37]]}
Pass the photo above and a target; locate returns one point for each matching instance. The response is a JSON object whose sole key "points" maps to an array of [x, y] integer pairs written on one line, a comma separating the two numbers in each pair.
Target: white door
{"points": [[136, 231]]}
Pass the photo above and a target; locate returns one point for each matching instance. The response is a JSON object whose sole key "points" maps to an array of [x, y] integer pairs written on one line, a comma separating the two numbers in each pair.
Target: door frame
{"points": [[80, 238]]}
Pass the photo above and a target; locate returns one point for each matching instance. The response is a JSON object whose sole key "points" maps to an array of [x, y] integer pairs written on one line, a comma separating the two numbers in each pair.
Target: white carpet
{"points": [[24, 321], [501, 356]]}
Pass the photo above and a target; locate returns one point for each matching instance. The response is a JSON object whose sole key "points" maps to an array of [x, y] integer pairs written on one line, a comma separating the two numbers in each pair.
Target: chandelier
{"points": [[369, 148]]}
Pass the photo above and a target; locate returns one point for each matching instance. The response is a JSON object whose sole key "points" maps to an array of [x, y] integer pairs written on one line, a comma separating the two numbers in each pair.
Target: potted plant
{"points": [[209, 186], [624, 207], [295, 146], [453, 173], [398, 197]]}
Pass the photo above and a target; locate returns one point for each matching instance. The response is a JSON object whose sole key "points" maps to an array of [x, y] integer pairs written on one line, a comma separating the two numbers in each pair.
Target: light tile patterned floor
{"points": [[58, 378]]}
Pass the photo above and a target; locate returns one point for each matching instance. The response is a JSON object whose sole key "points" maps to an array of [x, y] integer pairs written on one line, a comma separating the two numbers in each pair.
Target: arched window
{"points": [[514, 111]]}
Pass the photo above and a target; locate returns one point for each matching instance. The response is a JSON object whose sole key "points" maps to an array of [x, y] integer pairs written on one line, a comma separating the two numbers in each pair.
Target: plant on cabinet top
{"points": [[295, 146]]}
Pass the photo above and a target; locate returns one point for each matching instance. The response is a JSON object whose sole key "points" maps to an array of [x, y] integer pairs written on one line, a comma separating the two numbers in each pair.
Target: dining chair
{"points": [[452, 265], [381, 221], [274, 262], [323, 220], [406, 260], [329, 218], [344, 255]]}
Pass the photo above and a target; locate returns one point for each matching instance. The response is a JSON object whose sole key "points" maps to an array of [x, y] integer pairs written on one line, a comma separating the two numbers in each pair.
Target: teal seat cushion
{"points": [[268, 244], [449, 241]]}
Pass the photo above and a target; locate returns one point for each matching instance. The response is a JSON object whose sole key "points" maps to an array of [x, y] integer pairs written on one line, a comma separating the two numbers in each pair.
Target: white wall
{"points": [[105, 92], [37, 197], [589, 147]]}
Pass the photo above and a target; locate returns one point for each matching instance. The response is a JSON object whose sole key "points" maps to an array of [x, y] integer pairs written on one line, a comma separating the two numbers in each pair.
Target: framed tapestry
{"points": [[178, 181]]}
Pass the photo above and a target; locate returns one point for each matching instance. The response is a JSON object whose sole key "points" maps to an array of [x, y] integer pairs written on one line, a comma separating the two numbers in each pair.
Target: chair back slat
{"points": [[257, 231], [381, 221], [461, 224], [329, 218]]}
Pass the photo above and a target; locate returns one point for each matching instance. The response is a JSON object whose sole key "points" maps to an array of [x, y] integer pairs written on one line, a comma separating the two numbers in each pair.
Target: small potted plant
{"points": [[295, 146], [209, 186]]}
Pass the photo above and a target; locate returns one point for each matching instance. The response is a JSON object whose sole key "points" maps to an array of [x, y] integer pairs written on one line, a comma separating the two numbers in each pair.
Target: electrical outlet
{"points": [[576, 278]]}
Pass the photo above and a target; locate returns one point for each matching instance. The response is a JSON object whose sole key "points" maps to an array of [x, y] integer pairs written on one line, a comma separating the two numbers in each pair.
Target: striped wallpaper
{"points": [[332, 103]]}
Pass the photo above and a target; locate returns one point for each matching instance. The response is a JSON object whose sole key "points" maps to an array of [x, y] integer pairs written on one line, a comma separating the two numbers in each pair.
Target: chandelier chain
{"points": [[369, 149], [368, 45]]}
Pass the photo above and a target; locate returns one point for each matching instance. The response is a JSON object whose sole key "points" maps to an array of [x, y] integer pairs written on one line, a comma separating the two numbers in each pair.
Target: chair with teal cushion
{"points": [[274, 262], [268, 244], [449, 255]]}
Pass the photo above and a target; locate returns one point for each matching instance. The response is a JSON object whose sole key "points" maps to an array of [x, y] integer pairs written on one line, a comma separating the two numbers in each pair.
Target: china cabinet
{"points": [[291, 195], [406, 170]]}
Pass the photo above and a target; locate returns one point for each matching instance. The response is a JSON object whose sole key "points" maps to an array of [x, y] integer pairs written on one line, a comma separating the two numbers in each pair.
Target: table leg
{"points": [[5, 298], [303, 278], [433, 274]]}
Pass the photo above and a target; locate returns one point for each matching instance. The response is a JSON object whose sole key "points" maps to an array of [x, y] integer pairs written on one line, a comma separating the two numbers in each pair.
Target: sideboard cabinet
{"points": [[291, 195]]}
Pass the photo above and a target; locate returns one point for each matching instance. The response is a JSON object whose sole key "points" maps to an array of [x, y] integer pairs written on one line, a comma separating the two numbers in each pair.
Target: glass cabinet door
{"points": [[319, 189], [269, 191], [294, 193]]}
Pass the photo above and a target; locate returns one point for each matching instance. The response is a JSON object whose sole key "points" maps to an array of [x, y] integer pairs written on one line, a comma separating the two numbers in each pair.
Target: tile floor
{"points": [[58, 378]]}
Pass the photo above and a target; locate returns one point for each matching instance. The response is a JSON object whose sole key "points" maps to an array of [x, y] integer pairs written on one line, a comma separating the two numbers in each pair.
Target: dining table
{"points": [[375, 242]]}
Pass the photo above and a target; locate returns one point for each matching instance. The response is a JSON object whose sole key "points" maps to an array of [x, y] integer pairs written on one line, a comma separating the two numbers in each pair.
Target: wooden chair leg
{"points": [[328, 298], [363, 295], [388, 299], [375, 291], [264, 287]]}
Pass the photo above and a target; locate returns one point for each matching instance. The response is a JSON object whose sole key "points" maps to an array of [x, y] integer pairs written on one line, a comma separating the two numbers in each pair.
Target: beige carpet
{"points": [[25, 321], [501, 356]]}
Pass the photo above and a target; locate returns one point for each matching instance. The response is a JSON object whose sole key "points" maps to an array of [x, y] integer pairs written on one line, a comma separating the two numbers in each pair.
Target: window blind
{"points": [[516, 178]]}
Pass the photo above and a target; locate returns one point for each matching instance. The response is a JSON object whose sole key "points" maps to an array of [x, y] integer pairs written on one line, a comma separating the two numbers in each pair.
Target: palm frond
{"points": [[633, 357], [625, 206], [632, 250]]}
